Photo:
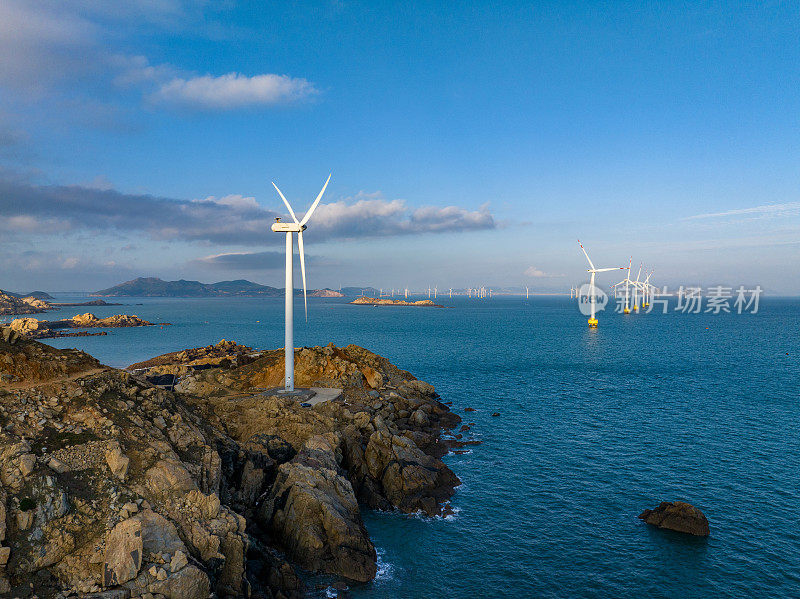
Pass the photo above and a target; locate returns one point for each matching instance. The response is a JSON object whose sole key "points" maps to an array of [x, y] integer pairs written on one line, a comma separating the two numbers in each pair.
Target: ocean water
{"points": [[594, 427]]}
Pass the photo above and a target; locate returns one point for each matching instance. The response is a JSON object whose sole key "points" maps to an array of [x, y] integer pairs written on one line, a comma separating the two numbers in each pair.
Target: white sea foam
{"points": [[420, 515], [385, 569], [463, 452]]}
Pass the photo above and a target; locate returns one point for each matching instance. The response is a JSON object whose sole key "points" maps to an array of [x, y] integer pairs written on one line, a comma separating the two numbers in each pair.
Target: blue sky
{"points": [[470, 143]]}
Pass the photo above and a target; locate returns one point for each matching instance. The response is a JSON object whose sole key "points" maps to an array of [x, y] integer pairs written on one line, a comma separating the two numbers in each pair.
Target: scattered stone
{"points": [[495, 413], [57, 466], [123, 554], [24, 520], [117, 461], [27, 463], [469, 409], [178, 561]]}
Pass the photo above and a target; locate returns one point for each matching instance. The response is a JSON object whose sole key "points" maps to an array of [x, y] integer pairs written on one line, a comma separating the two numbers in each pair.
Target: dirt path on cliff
{"points": [[55, 381]]}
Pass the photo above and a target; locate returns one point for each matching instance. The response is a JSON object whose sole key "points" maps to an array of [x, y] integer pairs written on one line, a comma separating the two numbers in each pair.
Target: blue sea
{"points": [[594, 427]]}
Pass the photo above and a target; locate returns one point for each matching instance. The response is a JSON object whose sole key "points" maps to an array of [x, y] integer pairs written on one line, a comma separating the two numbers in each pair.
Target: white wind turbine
{"points": [[290, 228], [647, 290], [594, 271], [627, 282], [636, 287]]}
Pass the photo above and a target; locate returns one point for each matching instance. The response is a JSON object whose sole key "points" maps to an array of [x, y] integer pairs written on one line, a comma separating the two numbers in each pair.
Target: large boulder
{"points": [[123, 553], [313, 510], [410, 479], [678, 516]]}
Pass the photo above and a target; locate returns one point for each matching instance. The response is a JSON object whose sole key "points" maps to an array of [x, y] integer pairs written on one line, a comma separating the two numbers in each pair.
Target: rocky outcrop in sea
{"points": [[109, 483], [375, 301], [46, 329], [678, 516]]}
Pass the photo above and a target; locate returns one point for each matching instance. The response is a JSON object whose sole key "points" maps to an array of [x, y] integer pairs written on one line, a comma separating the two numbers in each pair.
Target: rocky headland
{"points": [[375, 301], [47, 329], [37, 303], [12, 305], [111, 484]]}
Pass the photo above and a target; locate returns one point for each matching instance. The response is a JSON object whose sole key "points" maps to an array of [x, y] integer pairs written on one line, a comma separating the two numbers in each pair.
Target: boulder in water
{"points": [[678, 516]]}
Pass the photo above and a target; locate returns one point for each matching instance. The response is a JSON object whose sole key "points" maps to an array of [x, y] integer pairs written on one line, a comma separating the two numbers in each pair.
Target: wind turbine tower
{"points": [[592, 299], [290, 229]]}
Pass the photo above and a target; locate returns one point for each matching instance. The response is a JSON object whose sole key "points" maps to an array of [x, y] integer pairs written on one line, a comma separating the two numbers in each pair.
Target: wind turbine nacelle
{"points": [[288, 227]]}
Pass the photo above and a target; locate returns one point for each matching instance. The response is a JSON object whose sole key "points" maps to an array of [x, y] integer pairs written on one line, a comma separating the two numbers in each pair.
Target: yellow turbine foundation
{"points": [[593, 322]]}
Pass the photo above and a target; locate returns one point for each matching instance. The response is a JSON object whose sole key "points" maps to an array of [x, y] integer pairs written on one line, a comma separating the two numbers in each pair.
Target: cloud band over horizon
{"points": [[234, 219]]}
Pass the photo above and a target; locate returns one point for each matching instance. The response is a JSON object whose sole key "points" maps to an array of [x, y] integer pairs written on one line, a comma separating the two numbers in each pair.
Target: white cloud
{"points": [[60, 50], [245, 260], [231, 219], [537, 273], [371, 216], [40, 44], [233, 90], [235, 201], [765, 211]]}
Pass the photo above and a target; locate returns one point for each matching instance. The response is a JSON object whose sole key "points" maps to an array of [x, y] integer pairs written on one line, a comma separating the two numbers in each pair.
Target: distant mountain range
{"points": [[155, 287]]}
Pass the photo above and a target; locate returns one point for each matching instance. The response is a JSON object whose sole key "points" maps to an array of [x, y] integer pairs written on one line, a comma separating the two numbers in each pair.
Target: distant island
{"points": [[16, 304], [34, 294], [374, 301], [155, 287]]}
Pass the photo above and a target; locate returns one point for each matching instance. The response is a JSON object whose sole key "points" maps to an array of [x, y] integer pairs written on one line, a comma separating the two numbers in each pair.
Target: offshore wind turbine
{"points": [[647, 290], [592, 300], [627, 282], [636, 287], [290, 229]]}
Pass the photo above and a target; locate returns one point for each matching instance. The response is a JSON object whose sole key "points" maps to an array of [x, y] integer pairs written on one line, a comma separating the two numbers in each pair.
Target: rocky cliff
{"points": [[11, 304], [108, 483]]}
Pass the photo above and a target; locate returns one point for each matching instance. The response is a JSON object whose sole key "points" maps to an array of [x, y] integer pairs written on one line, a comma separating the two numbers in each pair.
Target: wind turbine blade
{"points": [[607, 269], [303, 269], [585, 254], [314, 205], [285, 201]]}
